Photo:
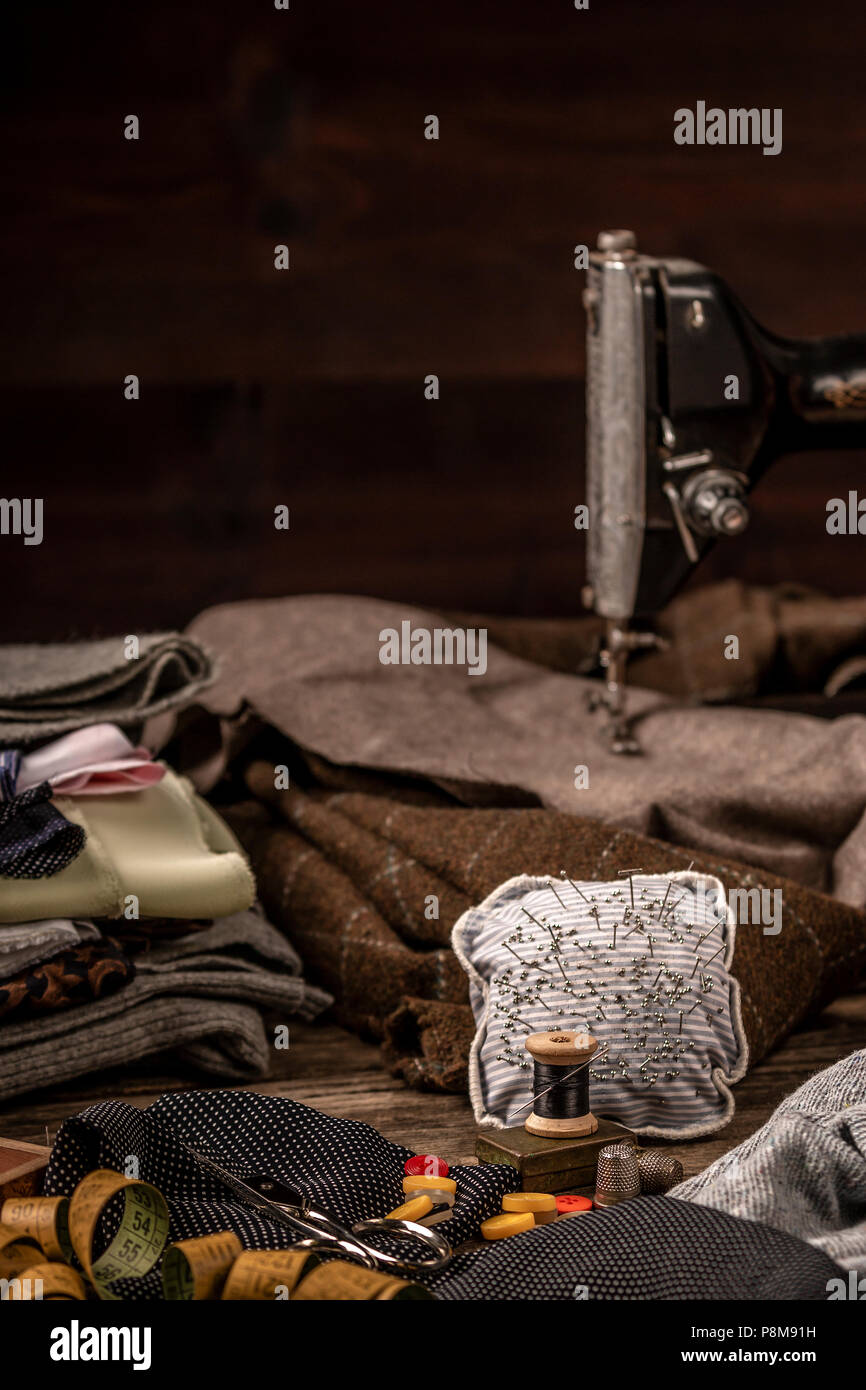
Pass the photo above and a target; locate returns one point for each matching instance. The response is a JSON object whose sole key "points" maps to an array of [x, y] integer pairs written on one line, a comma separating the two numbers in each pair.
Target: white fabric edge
{"points": [[721, 1080]]}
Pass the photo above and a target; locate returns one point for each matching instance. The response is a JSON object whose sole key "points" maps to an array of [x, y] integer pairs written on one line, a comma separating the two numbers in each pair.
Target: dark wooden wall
{"points": [[409, 257]]}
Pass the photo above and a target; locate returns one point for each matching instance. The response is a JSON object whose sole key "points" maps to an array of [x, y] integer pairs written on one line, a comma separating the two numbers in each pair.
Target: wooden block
{"points": [[550, 1165], [22, 1168]]}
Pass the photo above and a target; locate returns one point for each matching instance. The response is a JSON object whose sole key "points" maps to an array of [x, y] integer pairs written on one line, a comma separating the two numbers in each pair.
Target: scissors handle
{"points": [[321, 1232], [389, 1226]]}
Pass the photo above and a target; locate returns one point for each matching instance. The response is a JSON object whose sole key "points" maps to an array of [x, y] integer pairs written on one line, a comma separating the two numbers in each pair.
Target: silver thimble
{"points": [[617, 1177], [659, 1172]]}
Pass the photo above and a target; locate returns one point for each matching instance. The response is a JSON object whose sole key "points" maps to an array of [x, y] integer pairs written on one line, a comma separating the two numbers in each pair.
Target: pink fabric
{"points": [[96, 761]]}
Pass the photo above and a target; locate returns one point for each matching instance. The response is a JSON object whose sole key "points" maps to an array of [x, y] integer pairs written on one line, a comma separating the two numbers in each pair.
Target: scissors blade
{"points": [[247, 1194], [322, 1231]]}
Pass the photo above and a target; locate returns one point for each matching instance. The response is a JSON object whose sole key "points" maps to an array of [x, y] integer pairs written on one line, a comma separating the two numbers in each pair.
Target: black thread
{"points": [[565, 1100]]}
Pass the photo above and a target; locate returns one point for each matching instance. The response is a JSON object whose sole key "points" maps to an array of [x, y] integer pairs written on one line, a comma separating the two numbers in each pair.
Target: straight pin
{"points": [[549, 929], [538, 1000], [524, 963], [534, 919], [707, 934], [628, 874], [666, 896], [555, 894], [563, 874]]}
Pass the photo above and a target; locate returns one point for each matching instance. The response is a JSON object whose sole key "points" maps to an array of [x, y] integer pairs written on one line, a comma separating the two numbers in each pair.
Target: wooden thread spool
{"points": [[552, 1115]]}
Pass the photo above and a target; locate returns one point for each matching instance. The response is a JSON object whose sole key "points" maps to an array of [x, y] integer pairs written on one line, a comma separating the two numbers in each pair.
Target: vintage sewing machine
{"points": [[688, 402]]}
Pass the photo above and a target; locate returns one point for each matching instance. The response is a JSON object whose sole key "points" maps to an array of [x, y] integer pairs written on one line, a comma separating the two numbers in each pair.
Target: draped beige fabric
{"points": [[164, 845]]}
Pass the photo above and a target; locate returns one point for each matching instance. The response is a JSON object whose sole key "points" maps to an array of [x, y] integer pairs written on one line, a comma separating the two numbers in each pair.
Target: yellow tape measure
{"points": [[267, 1274], [17, 1251], [43, 1219], [140, 1239], [48, 1282], [197, 1268], [340, 1280], [40, 1237]]}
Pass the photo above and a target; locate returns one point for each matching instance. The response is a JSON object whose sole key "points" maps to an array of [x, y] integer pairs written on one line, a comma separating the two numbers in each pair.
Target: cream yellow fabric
{"points": [[163, 844]]}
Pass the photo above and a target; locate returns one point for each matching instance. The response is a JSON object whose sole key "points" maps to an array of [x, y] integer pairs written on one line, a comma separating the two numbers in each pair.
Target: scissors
{"points": [[323, 1231]]}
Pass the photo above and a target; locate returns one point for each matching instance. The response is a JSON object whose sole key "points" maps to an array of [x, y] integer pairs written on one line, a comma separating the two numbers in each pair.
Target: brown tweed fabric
{"points": [[350, 878]]}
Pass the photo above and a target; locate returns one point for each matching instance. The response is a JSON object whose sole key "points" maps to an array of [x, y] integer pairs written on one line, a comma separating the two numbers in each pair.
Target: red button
{"points": [[567, 1204], [425, 1165]]}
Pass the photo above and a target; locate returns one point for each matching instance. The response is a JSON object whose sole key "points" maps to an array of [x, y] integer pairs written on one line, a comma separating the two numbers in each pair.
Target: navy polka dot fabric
{"points": [[36, 841], [650, 1248], [348, 1168]]}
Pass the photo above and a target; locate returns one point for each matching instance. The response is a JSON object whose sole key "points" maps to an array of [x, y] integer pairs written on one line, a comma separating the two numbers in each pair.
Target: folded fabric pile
{"points": [[125, 920], [54, 688], [200, 996]]}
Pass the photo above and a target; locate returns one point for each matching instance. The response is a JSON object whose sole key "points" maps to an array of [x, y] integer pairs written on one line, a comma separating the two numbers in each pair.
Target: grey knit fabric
{"points": [[804, 1171], [199, 995], [52, 688]]}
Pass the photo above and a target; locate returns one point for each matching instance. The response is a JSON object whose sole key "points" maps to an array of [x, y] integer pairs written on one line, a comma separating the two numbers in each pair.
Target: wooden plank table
{"points": [[334, 1071]]}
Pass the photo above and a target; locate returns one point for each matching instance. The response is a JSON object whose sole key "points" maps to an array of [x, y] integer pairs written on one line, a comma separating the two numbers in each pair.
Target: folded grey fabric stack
{"points": [[200, 995], [53, 688], [804, 1171]]}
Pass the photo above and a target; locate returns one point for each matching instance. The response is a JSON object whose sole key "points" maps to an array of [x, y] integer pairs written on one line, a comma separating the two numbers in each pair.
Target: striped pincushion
{"points": [[642, 963]]}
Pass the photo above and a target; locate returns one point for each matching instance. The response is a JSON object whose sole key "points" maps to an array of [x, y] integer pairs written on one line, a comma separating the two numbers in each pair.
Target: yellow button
{"points": [[411, 1211], [528, 1201], [420, 1182], [508, 1223]]}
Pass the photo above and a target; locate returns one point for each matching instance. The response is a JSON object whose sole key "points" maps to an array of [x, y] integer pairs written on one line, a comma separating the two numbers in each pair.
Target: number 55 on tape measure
{"points": [[140, 1239]]}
